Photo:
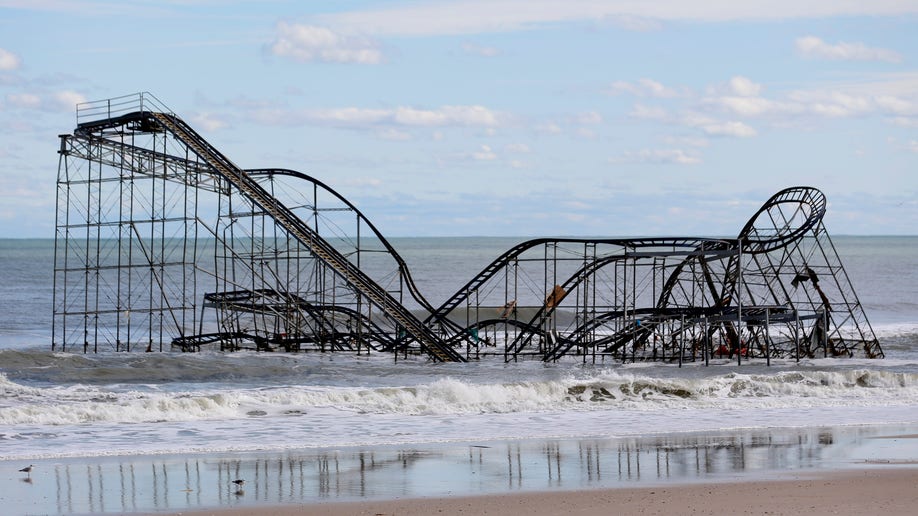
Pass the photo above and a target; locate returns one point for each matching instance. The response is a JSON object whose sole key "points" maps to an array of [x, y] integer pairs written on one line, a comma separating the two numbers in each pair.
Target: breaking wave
{"points": [[604, 390]]}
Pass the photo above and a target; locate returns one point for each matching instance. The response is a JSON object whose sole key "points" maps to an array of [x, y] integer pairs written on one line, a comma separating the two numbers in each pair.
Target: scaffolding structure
{"points": [[164, 243]]}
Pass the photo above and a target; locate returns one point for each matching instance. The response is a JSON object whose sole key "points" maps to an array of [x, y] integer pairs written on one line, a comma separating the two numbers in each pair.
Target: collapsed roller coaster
{"points": [[164, 243]]}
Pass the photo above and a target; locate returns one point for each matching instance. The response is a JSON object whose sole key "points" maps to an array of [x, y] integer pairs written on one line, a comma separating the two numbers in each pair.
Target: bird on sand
{"points": [[27, 470]]}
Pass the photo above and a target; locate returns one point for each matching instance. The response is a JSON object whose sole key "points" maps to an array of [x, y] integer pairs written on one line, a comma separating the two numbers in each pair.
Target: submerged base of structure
{"points": [[699, 339]]}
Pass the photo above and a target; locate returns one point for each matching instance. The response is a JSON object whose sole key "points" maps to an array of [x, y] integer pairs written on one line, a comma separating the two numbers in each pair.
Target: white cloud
{"points": [[59, 101], [478, 50], [896, 106], [642, 88], [737, 86], [648, 112], [208, 122], [755, 106], [913, 145], [519, 148], [354, 117], [8, 61], [548, 128], [419, 117], [484, 154], [902, 121], [632, 23], [745, 106], [305, 43], [714, 127], [579, 124], [815, 48], [744, 87], [447, 115], [479, 16], [676, 156], [68, 99], [349, 116], [735, 129], [833, 103], [892, 95]]}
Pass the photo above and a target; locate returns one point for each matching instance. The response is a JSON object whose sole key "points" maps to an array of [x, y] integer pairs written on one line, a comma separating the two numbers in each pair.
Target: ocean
{"points": [[69, 406], [66, 405]]}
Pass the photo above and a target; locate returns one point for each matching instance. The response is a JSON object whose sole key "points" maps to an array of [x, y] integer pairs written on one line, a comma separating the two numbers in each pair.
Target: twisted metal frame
{"points": [[162, 242]]}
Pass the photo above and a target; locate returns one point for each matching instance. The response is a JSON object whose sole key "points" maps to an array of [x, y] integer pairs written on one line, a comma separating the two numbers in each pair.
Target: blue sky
{"points": [[496, 117]]}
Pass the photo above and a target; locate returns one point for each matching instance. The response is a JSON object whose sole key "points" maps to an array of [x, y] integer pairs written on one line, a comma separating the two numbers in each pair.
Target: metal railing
{"points": [[117, 106]]}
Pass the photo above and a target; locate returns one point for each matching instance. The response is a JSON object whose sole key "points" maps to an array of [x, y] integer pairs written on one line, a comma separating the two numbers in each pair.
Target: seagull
{"points": [[27, 470]]}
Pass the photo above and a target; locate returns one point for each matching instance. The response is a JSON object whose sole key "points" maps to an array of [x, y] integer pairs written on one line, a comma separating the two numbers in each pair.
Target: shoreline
{"points": [[404, 476], [861, 491]]}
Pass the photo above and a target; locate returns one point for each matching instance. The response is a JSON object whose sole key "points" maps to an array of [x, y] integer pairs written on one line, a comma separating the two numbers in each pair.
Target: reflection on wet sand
{"points": [[144, 484]]}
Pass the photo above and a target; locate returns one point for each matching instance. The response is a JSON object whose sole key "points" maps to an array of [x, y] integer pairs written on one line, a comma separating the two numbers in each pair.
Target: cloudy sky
{"points": [[496, 117]]}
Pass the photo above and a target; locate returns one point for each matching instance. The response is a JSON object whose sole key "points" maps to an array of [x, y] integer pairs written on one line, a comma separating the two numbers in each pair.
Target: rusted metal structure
{"points": [[163, 243]]}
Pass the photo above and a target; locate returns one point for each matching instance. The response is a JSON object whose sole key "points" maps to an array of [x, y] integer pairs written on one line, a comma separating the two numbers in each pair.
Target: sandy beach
{"points": [[888, 491], [854, 470]]}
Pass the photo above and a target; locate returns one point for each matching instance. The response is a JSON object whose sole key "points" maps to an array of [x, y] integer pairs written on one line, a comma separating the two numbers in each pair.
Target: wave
{"points": [[603, 390], [892, 330]]}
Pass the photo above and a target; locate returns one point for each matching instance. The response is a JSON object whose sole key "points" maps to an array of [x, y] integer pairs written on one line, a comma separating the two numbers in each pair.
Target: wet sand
{"points": [[781, 471], [872, 491]]}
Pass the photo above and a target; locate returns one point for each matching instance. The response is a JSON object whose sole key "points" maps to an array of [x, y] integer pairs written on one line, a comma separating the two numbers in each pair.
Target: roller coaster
{"points": [[163, 243]]}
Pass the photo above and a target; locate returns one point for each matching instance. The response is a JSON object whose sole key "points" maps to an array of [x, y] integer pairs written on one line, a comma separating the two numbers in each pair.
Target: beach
{"points": [[779, 471], [874, 491]]}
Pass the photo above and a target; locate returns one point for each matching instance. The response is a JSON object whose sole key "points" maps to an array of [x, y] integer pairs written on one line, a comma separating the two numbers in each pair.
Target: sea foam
{"points": [[604, 390]]}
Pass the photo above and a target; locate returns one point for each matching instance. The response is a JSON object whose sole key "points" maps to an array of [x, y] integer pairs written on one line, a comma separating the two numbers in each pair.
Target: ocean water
{"points": [[65, 405]]}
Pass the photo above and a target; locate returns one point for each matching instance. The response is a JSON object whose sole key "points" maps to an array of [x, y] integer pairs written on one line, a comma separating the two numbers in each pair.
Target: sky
{"points": [[496, 117]]}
